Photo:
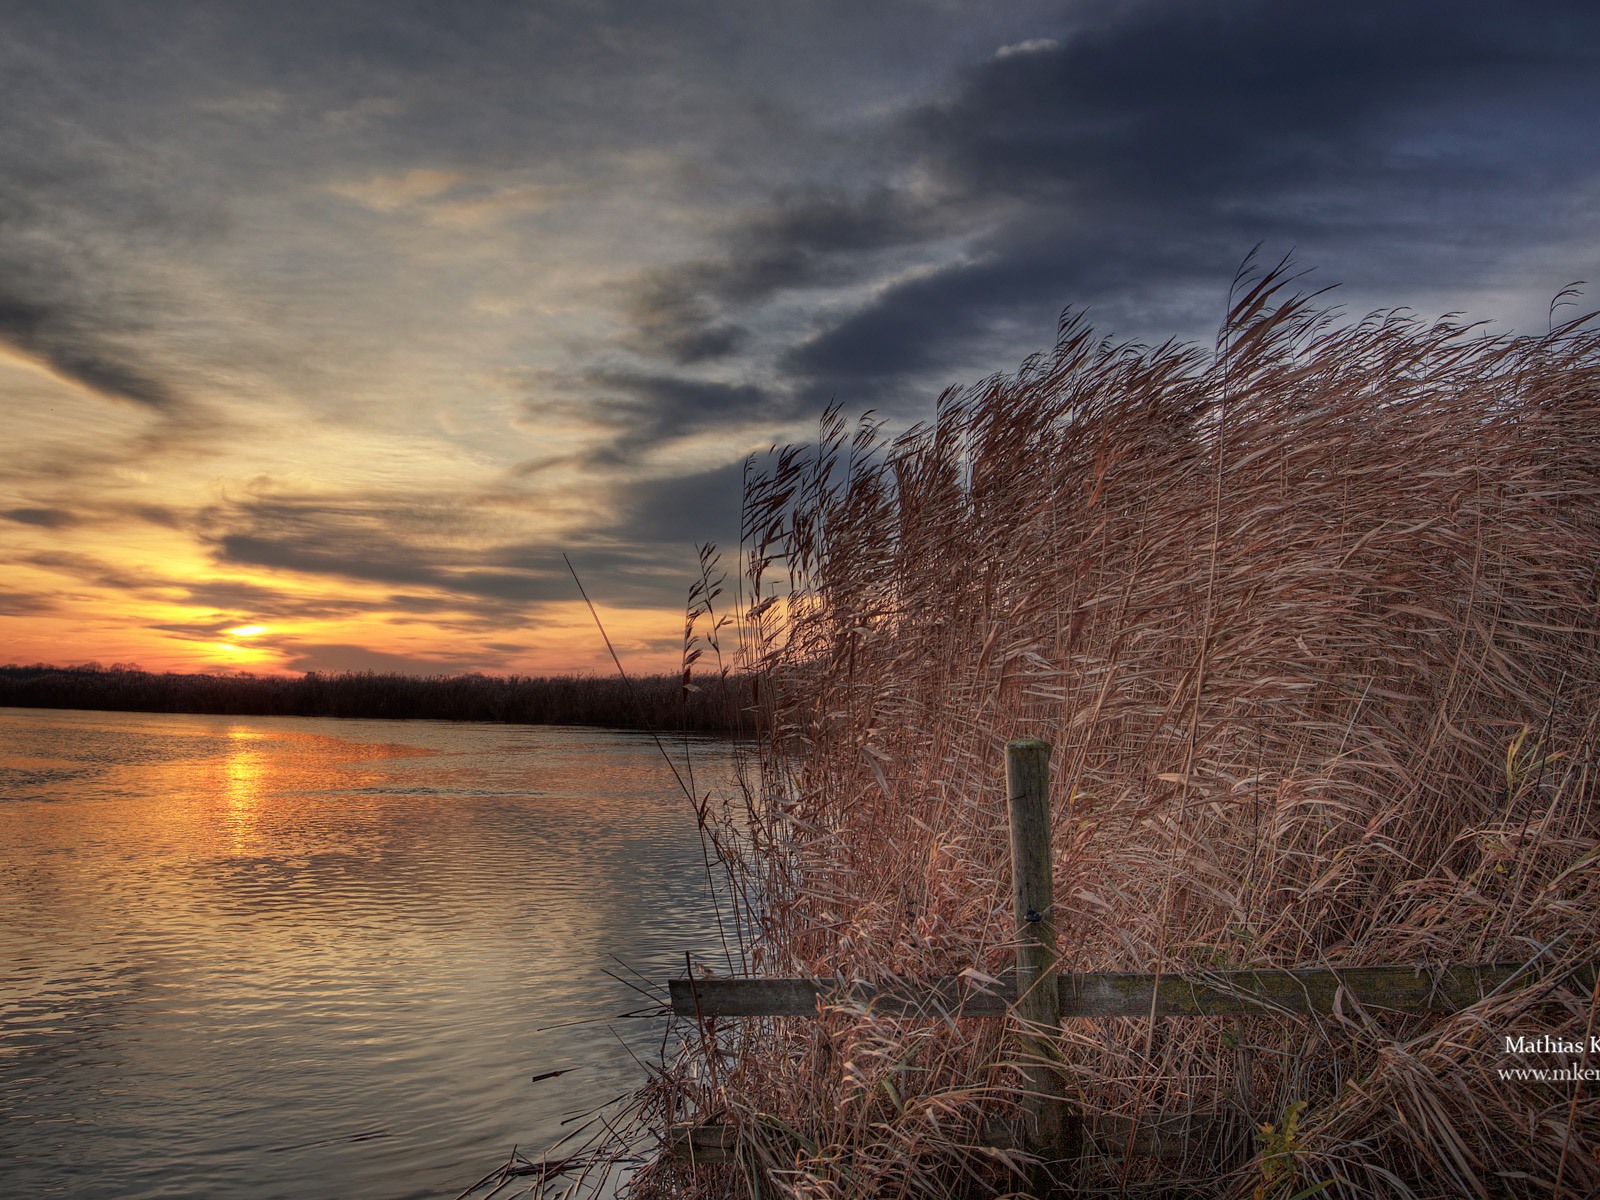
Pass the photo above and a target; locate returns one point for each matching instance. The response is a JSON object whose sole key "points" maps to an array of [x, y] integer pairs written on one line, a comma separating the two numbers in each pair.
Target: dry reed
{"points": [[1311, 622]]}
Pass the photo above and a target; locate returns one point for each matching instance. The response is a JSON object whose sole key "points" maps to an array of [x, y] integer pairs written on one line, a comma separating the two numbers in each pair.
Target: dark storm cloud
{"points": [[1153, 149], [83, 209], [690, 509], [1011, 296], [1132, 162], [926, 322], [645, 409], [70, 336], [628, 573], [672, 320], [809, 238]]}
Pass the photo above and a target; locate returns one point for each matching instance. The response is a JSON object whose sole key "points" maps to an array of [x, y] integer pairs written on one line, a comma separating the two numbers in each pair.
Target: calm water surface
{"points": [[307, 958]]}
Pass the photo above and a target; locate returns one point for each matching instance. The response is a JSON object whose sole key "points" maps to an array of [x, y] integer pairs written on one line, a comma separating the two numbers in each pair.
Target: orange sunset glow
{"points": [[268, 548]]}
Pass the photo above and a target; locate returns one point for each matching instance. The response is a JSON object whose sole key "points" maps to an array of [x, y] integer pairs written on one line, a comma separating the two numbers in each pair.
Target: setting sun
{"points": [[226, 654]]}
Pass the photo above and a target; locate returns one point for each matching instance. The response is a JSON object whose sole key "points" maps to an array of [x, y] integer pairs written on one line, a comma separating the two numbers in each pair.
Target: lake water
{"points": [[315, 958]]}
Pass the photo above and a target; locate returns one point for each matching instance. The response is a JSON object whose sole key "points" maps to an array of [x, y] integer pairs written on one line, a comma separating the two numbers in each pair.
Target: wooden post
{"points": [[1047, 1129]]}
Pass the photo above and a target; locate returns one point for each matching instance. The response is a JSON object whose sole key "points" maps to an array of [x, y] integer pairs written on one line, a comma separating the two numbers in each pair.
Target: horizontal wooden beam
{"points": [[702, 1145], [1200, 994], [1158, 1135]]}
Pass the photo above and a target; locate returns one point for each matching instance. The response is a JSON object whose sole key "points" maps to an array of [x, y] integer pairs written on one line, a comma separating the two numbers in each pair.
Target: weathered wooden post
{"points": [[1047, 1131]]}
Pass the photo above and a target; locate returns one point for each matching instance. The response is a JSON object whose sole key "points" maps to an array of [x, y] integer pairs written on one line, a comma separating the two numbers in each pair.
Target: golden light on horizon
{"points": [[231, 655], [246, 631]]}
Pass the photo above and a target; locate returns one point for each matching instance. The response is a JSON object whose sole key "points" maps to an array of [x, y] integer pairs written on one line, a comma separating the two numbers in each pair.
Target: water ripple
{"points": [[302, 958]]}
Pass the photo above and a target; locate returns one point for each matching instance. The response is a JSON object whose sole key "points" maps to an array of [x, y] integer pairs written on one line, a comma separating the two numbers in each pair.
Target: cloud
{"points": [[444, 546], [389, 193], [925, 322], [383, 557], [89, 219], [255, 602], [44, 518], [157, 514], [1133, 159], [645, 409], [197, 631], [1031, 46], [625, 574], [804, 238], [689, 510], [401, 602], [671, 319], [94, 570], [23, 604], [455, 199], [77, 342], [1155, 146], [970, 318]]}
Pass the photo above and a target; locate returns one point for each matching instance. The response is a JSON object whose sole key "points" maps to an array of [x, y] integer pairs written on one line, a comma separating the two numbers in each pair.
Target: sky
{"points": [[327, 329]]}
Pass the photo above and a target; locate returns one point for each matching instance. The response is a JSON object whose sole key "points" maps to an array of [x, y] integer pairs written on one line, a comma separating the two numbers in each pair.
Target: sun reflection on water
{"points": [[244, 772]]}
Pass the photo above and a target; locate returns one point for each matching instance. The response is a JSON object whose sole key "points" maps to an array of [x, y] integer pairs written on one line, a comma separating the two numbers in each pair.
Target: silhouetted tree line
{"points": [[710, 704]]}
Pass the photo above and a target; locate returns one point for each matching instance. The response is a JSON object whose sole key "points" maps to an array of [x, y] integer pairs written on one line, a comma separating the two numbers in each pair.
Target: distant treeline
{"points": [[711, 704]]}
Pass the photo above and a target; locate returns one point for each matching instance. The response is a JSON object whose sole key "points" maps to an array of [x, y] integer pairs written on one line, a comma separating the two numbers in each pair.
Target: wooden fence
{"points": [[1039, 995]]}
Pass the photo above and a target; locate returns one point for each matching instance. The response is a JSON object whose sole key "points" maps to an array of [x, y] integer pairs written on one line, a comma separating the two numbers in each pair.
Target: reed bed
{"points": [[1312, 622]]}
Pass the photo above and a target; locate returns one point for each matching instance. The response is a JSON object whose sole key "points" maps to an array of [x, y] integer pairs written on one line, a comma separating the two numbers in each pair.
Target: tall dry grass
{"points": [[1313, 624]]}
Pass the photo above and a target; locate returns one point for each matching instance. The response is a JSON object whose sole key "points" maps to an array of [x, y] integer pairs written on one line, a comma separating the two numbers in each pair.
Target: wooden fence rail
{"points": [[1197, 994]]}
